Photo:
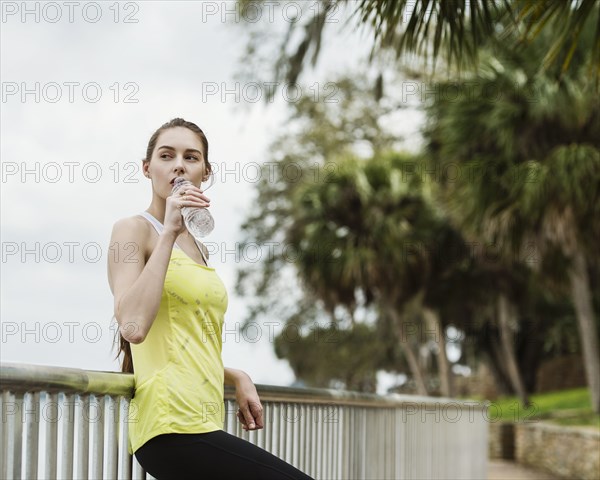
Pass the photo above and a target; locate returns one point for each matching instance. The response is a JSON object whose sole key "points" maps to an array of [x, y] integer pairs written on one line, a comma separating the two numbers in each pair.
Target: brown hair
{"points": [[124, 346], [179, 122]]}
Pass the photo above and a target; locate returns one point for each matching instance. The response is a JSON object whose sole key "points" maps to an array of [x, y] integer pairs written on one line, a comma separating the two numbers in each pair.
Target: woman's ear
{"points": [[145, 166]]}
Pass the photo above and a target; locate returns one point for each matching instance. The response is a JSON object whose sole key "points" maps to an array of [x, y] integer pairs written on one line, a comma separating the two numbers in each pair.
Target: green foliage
{"points": [[453, 31], [530, 164], [459, 28], [363, 218], [330, 357], [370, 235], [530, 156], [565, 407], [427, 27], [322, 133]]}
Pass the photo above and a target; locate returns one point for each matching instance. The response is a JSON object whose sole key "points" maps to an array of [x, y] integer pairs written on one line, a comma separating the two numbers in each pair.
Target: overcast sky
{"points": [[82, 91]]}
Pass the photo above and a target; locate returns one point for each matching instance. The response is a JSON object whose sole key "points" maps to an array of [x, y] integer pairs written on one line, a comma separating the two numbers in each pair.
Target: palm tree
{"points": [[381, 236], [322, 133], [341, 228], [452, 31], [373, 201], [457, 29], [530, 160]]}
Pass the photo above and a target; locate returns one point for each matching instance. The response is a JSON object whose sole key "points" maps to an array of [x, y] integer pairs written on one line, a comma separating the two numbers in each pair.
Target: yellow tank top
{"points": [[178, 368]]}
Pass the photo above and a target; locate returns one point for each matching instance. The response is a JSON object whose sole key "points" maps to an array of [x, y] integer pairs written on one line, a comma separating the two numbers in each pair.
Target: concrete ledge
{"points": [[566, 452]]}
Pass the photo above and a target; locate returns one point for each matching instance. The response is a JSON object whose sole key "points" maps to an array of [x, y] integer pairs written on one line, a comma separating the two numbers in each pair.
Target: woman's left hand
{"points": [[250, 412]]}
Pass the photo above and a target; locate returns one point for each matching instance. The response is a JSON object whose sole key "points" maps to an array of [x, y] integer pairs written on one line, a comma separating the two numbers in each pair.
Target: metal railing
{"points": [[70, 423]]}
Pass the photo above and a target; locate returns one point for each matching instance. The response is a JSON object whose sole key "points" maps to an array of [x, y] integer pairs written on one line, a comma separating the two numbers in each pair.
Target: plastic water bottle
{"points": [[198, 221]]}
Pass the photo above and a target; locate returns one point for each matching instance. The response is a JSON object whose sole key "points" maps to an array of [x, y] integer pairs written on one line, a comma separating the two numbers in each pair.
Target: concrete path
{"points": [[507, 470]]}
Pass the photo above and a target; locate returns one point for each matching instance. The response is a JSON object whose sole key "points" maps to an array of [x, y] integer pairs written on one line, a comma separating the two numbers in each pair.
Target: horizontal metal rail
{"points": [[71, 423]]}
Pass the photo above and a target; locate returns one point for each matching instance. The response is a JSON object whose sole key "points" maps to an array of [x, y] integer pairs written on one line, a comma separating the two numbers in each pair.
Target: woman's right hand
{"points": [[186, 195], [173, 218]]}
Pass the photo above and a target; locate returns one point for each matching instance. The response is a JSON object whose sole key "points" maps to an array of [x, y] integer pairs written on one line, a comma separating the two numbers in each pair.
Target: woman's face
{"points": [[178, 153]]}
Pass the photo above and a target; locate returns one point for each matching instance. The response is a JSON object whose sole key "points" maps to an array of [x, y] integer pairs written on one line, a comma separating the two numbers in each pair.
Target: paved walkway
{"points": [[507, 470]]}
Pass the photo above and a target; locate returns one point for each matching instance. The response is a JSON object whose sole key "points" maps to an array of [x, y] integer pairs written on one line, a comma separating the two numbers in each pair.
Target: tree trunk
{"points": [[411, 357], [506, 314], [489, 343], [582, 300], [497, 365], [530, 350], [415, 369], [445, 373]]}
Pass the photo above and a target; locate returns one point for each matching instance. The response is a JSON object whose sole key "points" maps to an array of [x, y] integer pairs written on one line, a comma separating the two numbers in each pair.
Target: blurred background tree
{"points": [[490, 231], [431, 30]]}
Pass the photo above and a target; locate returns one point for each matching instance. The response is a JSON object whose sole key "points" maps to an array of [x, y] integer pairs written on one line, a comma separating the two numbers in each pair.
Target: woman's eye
{"points": [[167, 156]]}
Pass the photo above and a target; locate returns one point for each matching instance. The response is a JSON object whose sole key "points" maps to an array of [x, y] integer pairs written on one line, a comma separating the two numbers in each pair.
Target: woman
{"points": [[170, 308]]}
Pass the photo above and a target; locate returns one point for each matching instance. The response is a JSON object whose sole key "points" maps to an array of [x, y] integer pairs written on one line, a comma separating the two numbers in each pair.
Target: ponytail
{"points": [[125, 349]]}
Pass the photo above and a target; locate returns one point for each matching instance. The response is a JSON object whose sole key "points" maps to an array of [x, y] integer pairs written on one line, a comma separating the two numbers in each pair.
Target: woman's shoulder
{"points": [[135, 228], [135, 223]]}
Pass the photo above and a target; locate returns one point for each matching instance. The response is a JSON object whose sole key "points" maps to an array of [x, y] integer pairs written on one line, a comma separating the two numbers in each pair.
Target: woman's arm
{"points": [[136, 285], [250, 412], [233, 376]]}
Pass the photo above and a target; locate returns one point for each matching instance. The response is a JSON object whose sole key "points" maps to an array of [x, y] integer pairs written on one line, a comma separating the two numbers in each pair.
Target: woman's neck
{"points": [[157, 208]]}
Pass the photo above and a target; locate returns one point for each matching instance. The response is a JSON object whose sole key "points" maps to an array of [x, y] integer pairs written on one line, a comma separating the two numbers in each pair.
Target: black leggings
{"points": [[209, 456]]}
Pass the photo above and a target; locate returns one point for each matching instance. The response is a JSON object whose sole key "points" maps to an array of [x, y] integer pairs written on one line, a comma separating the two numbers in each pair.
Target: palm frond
{"points": [[567, 20], [406, 25]]}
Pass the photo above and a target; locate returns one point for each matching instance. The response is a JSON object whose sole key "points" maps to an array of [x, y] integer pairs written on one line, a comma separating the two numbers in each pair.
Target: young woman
{"points": [[170, 308]]}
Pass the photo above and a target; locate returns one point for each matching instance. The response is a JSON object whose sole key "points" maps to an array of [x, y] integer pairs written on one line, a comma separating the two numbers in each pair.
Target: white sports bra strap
{"points": [[159, 228], [152, 219], [202, 252]]}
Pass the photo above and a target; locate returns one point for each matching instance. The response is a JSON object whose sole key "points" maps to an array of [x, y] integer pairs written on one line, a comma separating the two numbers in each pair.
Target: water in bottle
{"points": [[198, 221]]}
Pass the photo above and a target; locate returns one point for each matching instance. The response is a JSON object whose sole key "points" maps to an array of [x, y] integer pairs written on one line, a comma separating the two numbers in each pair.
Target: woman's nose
{"points": [[178, 164]]}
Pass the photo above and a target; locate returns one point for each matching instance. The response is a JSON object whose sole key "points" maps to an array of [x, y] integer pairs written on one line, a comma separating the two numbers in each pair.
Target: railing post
{"points": [[68, 436], [51, 419], [31, 404], [18, 434], [123, 453], [83, 437], [97, 407]]}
